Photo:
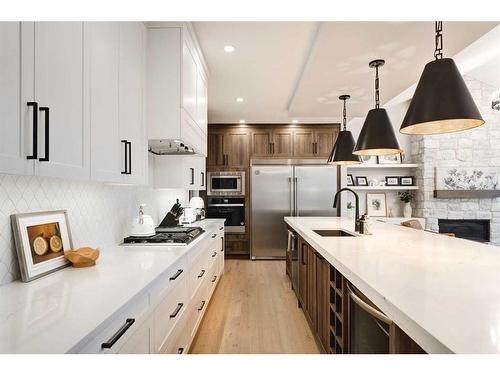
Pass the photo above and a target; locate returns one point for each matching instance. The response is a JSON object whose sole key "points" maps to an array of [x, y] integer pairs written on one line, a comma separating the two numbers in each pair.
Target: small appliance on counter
{"points": [[188, 216], [198, 205], [142, 225]]}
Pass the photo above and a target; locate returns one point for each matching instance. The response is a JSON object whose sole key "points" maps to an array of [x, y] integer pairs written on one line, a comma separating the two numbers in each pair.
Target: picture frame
{"points": [[392, 181], [407, 180], [41, 239], [361, 181], [376, 204], [350, 180], [389, 159], [368, 159]]}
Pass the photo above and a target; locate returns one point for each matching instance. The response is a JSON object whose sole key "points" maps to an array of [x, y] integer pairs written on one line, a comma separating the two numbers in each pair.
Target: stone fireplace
{"points": [[475, 230], [478, 147]]}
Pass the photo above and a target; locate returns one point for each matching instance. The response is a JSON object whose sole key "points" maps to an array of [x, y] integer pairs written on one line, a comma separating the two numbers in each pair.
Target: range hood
{"points": [[169, 147]]}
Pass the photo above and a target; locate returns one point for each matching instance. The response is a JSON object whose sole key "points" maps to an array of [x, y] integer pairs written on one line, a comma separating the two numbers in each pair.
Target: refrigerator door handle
{"points": [[291, 196], [296, 195]]}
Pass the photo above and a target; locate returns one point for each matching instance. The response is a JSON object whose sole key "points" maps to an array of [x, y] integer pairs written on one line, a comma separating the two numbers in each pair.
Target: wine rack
{"points": [[338, 312]]}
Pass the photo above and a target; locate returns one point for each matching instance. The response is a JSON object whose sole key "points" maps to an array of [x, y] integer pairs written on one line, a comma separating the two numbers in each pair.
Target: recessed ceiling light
{"points": [[229, 48], [239, 100], [295, 121], [242, 121]]}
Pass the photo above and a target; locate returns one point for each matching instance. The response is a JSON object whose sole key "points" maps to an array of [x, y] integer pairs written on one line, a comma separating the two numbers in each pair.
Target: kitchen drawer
{"points": [[168, 312], [214, 279], [140, 342], [198, 272], [197, 308], [116, 330], [178, 340], [172, 278]]}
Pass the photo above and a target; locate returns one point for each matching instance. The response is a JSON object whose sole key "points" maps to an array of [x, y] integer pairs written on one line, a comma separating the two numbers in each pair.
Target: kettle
{"points": [[142, 225]]}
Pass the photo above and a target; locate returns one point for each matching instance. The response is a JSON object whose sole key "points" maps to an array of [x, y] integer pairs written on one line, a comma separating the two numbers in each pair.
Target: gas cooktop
{"points": [[168, 235]]}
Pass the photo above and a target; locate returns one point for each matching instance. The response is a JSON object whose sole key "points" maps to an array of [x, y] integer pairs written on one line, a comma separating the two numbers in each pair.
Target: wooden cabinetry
{"points": [[229, 148], [323, 300], [316, 142], [311, 301], [302, 295], [271, 142]]}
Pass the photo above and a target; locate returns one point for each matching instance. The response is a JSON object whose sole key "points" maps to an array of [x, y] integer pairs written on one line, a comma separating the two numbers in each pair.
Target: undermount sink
{"points": [[333, 233]]}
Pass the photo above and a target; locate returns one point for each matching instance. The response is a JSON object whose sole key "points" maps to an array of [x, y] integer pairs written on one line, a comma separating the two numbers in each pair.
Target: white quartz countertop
{"points": [[54, 313], [444, 292]]}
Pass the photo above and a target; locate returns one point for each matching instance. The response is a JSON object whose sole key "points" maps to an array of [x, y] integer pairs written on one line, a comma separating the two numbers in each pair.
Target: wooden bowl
{"points": [[83, 257]]}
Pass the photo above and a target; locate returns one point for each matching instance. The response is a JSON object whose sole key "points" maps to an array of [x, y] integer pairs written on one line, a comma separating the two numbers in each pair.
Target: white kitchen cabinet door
{"points": [[107, 152], [189, 77], [201, 103], [16, 118], [201, 173], [132, 95], [60, 86], [141, 341]]}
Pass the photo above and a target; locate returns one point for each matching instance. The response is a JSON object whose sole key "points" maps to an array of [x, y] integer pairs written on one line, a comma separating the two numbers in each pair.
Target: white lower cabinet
{"points": [[141, 341]]}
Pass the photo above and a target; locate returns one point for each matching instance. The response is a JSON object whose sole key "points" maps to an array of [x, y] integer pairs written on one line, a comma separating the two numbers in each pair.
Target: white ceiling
{"points": [[297, 70]]}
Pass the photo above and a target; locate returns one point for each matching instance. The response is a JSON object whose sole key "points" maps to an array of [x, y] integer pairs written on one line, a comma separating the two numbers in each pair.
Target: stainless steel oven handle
{"points": [[370, 310], [227, 205]]}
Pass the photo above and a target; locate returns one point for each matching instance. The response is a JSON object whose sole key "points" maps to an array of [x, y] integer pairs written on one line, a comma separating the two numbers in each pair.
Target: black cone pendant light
{"points": [[377, 136], [342, 149], [441, 103]]}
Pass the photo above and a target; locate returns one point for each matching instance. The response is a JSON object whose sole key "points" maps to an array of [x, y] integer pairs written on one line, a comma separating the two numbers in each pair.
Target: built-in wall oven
{"points": [[232, 209], [226, 183]]}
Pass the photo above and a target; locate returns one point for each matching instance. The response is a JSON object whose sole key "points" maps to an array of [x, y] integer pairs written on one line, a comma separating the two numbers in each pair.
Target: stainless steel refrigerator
{"points": [[287, 188]]}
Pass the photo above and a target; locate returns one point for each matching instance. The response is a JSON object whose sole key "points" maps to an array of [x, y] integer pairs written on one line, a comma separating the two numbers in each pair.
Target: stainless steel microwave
{"points": [[226, 183]]}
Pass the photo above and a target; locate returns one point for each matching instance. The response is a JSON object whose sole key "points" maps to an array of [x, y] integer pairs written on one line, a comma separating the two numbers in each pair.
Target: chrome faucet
{"points": [[356, 218]]}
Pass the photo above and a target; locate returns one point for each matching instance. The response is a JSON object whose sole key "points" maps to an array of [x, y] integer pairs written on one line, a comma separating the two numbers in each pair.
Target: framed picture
{"points": [[392, 181], [407, 181], [41, 238], [361, 181], [350, 180], [389, 159], [376, 204], [367, 159]]}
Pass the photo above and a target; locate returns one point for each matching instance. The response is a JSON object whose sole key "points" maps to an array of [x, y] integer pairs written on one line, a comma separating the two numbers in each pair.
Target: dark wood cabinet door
{"points": [[324, 139], [311, 288], [215, 152], [303, 143], [303, 274], [282, 143], [236, 148], [323, 300], [261, 143]]}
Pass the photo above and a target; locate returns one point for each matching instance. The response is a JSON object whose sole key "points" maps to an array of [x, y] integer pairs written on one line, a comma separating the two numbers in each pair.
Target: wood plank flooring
{"points": [[254, 311]]}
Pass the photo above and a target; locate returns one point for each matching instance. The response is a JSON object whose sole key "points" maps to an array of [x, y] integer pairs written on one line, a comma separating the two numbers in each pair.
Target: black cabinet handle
{"points": [[126, 152], [214, 235], [215, 278], [34, 155], [221, 228], [214, 254], [192, 176], [176, 311], [202, 178], [118, 334], [176, 275], [201, 306], [47, 138], [180, 351], [201, 274], [129, 157]]}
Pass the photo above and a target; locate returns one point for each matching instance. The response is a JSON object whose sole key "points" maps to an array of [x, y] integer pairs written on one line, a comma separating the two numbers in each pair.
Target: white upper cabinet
{"points": [[58, 86], [14, 145], [177, 96]]}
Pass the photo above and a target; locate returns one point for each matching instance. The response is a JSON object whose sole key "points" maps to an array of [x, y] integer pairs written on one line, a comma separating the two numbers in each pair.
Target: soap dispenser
{"points": [[142, 225]]}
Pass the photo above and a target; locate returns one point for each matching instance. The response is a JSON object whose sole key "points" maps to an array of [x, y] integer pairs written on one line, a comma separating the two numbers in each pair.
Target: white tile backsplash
{"points": [[99, 214]]}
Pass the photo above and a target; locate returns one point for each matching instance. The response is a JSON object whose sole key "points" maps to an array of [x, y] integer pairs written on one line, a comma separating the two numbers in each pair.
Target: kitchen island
{"points": [[441, 291]]}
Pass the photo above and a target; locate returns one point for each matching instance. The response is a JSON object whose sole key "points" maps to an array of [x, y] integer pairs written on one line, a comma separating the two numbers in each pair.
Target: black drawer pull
{"points": [[215, 278], [129, 157], [221, 228], [201, 306], [180, 351], [201, 274], [214, 235], [118, 334], [34, 155], [214, 254], [192, 176], [126, 156], [176, 275], [47, 138], [176, 311]]}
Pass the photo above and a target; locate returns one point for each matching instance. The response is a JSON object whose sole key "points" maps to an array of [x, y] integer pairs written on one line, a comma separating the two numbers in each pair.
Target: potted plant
{"points": [[350, 210], [406, 197]]}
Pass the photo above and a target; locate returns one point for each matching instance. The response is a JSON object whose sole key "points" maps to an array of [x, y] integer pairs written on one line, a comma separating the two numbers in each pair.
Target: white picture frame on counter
{"points": [[41, 239], [376, 204]]}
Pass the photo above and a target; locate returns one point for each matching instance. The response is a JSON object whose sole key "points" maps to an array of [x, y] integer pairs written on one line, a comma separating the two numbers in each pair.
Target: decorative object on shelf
{"points": [[389, 159], [390, 214], [376, 204], [377, 135], [342, 149], [406, 197], [41, 238], [368, 159], [350, 210], [442, 102], [407, 181], [373, 182], [350, 180], [473, 178], [495, 102], [361, 181], [392, 180], [83, 257]]}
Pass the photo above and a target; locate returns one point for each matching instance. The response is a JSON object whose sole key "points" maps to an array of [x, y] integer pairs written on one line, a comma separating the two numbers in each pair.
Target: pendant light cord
{"points": [[377, 87], [344, 120], [438, 52]]}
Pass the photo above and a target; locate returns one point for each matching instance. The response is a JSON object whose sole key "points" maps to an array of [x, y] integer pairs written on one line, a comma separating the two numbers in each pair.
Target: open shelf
{"points": [[383, 187], [381, 166]]}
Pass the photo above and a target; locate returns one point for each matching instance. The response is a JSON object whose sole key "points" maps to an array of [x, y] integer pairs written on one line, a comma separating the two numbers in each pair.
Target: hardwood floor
{"points": [[254, 310]]}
